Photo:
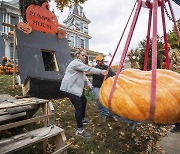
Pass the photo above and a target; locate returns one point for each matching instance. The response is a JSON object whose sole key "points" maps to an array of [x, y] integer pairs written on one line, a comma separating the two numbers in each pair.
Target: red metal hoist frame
{"points": [[153, 11]]}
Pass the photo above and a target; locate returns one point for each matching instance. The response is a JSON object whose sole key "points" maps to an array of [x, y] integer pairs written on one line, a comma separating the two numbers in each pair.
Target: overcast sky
{"points": [[108, 19]]}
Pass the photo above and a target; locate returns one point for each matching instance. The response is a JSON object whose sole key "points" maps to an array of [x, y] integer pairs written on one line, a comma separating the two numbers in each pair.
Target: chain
{"points": [[167, 13]]}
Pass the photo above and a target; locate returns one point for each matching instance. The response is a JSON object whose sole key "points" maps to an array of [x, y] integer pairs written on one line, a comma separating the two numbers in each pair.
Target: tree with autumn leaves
{"points": [[172, 37], [172, 40], [142, 49]]}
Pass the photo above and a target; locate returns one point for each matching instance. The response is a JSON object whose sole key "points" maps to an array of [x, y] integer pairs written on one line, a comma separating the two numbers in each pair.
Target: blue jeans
{"points": [[79, 104], [177, 125], [103, 111]]}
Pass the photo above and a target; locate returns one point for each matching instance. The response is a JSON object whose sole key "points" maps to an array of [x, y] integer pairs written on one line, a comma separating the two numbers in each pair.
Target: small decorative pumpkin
{"points": [[163, 65], [61, 34], [41, 19], [24, 27], [132, 96], [11, 71]]}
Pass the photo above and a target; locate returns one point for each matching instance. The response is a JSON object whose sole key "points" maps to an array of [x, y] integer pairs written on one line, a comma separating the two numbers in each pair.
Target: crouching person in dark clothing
{"points": [[97, 82], [73, 85]]}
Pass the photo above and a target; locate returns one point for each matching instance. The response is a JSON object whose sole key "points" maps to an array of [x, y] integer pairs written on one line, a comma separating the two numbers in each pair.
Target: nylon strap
{"points": [[154, 62], [119, 42], [125, 51], [164, 34]]}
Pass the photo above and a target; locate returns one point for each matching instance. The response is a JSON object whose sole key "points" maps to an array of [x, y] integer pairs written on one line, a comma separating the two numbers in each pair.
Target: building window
{"points": [[81, 27], [14, 21], [86, 44], [68, 36], [12, 53], [76, 42], [82, 43], [81, 11], [77, 27], [85, 26], [1, 21], [50, 60], [72, 41], [85, 29]]}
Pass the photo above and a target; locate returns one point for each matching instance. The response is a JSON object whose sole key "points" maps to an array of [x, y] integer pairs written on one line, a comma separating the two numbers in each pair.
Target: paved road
{"points": [[171, 143]]}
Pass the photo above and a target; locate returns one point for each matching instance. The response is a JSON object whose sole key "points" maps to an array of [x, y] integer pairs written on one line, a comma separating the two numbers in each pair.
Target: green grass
{"points": [[6, 86], [110, 137]]}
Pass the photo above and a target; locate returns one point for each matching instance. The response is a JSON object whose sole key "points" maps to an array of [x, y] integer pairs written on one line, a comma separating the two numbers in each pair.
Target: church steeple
{"points": [[77, 19], [77, 27]]}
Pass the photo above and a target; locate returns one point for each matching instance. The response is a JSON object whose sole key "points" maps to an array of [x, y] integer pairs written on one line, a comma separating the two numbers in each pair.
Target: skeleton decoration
{"points": [[133, 56], [174, 55]]}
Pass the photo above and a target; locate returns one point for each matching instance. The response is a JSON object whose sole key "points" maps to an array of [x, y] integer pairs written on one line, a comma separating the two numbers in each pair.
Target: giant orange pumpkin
{"points": [[132, 96]]}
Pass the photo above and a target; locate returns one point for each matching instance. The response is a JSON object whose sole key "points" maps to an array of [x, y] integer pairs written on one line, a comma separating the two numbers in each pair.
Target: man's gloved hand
{"points": [[90, 88]]}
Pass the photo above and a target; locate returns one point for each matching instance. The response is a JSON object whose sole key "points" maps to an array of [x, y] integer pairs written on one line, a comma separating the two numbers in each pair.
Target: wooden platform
{"points": [[26, 139], [13, 109]]}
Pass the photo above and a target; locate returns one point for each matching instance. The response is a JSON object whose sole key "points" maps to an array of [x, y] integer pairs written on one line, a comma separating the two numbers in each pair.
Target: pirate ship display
{"points": [[43, 53]]}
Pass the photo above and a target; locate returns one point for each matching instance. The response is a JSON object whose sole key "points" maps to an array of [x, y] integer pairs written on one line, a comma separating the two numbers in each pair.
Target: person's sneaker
{"points": [[83, 133], [85, 121], [114, 117], [175, 129]]}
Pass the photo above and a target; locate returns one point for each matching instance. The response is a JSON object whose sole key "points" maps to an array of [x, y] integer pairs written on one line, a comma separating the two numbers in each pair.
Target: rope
{"points": [[124, 51], [120, 40], [167, 13]]}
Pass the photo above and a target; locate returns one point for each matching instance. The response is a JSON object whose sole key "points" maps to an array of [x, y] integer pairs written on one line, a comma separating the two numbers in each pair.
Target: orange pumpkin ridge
{"points": [[132, 96]]}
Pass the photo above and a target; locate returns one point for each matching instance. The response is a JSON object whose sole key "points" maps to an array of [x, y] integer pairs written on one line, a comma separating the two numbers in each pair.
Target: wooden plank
{"points": [[3, 112], [56, 63], [4, 97], [20, 109], [33, 99], [14, 59], [20, 97], [27, 139], [51, 111], [23, 122], [29, 114], [60, 141], [45, 111], [26, 87], [63, 149], [9, 25], [15, 103], [9, 117]]}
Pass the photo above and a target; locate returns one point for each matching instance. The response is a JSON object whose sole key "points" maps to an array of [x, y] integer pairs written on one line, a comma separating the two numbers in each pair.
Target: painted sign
{"points": [[41, 19]]}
